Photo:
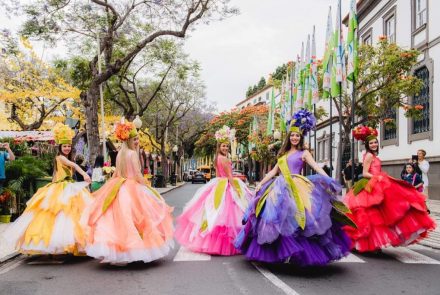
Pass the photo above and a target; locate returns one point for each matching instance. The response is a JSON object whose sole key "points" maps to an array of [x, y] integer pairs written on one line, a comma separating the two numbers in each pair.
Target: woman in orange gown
{"points": [[387, 211], [129, 221]]}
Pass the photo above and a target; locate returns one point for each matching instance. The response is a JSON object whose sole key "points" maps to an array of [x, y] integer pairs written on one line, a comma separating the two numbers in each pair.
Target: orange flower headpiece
{"points": [[125, 131], [364, 133], [63, 134]]}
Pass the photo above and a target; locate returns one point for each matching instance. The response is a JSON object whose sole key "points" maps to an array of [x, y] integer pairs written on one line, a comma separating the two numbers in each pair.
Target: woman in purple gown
{"points": [[293, 218]]}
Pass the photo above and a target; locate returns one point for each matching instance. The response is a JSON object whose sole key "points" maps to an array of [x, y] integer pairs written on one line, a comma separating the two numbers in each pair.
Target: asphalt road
{"points": [[413, 270]]}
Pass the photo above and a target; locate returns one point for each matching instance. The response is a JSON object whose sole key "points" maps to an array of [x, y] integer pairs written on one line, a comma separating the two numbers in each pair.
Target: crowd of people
{"points": [[288, 218]]}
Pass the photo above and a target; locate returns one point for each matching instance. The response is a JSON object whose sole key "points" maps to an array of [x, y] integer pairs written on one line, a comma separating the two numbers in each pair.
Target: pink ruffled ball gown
{"points": [[128, 221], [211, 220]]}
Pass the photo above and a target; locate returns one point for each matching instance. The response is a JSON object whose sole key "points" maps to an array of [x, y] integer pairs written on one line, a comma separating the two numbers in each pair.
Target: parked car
{"points": [[240, 175], [198, 177], [206, 170], [188, 175]]}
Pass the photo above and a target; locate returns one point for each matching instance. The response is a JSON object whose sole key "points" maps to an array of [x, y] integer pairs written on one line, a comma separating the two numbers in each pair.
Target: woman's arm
{"points": [[272, 173], [367, 163], [75, 166], [308, 158], [137, 166]]}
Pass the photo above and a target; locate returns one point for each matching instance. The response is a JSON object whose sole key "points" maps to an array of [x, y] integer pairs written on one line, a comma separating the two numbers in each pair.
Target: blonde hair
{"points": [[122, 158], [217, 152]]}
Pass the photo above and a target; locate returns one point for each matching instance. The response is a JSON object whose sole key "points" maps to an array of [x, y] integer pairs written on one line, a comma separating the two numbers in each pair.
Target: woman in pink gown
{"points": [[129, 221], [212, 218]]}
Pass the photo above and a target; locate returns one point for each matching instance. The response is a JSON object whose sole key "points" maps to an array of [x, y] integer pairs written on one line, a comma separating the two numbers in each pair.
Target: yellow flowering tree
{"points": [[32, 89]]}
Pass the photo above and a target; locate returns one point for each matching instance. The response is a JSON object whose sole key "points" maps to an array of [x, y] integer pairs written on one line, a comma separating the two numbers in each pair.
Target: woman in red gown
{"points": [[387, 211]]}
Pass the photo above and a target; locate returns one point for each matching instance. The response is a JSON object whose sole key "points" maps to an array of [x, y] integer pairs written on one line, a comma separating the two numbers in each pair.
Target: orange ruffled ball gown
{"points": [[387, 212], [51, 222], [128, 221]]}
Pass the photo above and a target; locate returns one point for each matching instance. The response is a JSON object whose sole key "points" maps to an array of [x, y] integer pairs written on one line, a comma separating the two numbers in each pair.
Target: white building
{"points": [[411, 24], [261, 97]]}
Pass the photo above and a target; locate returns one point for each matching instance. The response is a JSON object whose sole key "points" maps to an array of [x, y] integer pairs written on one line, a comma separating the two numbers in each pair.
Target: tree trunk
{"points": [[90, 103]]}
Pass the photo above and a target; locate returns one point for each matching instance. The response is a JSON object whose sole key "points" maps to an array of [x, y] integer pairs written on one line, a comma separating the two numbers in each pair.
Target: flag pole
{"points": [[331, 137]]}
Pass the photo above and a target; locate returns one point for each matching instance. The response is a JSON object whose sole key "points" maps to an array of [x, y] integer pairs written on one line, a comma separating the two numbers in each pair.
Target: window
{"points": [[390, 28], [390, 132], [259, 99], [367, 38], [420, 13], [422, 124], [267, 95]]}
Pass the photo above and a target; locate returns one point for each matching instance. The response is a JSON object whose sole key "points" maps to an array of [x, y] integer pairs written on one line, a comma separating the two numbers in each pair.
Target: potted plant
{"points": [[5, 206]]}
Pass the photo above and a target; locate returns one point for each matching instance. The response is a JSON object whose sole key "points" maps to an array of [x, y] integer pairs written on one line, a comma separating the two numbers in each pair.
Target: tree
{"points": [[261, 83], [125, 29], [33, 89], [385, 82]]}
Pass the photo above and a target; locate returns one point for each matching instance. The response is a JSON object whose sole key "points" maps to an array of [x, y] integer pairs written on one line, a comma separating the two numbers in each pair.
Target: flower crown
{"points": [[302, 122], [223, 135], [125, 131], [63, 134], [364, 133]]}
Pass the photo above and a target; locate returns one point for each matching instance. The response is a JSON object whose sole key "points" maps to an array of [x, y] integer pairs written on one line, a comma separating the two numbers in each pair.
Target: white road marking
{"points": [[186, 255], [234, 277], [11, 265], [406, 255], [351, 258], [275, 280]]}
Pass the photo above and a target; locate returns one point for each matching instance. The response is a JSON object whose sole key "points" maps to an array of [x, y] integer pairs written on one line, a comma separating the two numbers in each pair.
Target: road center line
{"points": [[186, 255], [275, 280]]}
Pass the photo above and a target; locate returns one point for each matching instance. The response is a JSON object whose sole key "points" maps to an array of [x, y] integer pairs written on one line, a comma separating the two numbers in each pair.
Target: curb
{"points": [[9, 257], [173, 188]]}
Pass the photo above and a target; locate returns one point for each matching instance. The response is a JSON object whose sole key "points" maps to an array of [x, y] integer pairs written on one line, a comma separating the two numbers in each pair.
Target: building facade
{"points": [[410, 24], [261, 97]]}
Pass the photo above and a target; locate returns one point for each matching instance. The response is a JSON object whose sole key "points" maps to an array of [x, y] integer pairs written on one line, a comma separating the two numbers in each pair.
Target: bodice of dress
{"points": [[62, 172], [295, 162], [376, 166], [130, 170], [219, 168]]}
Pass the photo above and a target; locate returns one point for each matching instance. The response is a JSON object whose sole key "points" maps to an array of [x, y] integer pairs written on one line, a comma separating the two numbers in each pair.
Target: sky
{"points": [[236, 52]]}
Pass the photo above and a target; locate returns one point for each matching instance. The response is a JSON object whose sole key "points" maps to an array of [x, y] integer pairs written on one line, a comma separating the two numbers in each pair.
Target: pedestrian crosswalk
{"points": [[406, 255]]}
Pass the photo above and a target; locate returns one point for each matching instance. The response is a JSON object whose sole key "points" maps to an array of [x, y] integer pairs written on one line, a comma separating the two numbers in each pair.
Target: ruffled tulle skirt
{"points": [[51, 222], [128, 222], [271, 233], [212, 218], [388, 212]]}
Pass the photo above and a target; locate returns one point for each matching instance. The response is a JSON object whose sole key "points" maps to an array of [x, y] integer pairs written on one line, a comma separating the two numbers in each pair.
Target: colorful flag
{"points": [[271, 118], [282, 108], [337, 71], [352, 44], [328, 56], [296, 95], [314, 72], [307, 88], [300, 100]]}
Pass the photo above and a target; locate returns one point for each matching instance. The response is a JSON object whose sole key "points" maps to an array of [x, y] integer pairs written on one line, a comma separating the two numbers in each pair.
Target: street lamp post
{"points": [[174, 177], [101, 96]]}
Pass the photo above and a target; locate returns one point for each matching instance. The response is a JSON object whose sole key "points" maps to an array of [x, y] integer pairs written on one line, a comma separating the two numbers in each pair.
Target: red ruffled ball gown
{"points": [[387, 212]]}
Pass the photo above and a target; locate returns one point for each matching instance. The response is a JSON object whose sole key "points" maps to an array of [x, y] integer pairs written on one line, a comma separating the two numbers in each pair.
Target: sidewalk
{"points": [[7, 252]]}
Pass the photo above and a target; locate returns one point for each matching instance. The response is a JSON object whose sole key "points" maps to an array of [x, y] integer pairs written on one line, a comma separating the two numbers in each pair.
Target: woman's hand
{"points": [[258, 187], [87, 178]]}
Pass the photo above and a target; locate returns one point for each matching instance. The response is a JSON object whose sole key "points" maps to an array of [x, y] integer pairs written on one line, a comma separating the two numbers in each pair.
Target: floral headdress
{"points": [[63, 134], [364, 133], [223, 135], [125, 130], [302, 122]]}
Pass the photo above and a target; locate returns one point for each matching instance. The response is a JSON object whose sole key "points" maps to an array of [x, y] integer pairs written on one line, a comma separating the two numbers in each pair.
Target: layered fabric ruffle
{"points": [[128, 222], [51, 222], [212, 218], [388, 212], [272, 234]]}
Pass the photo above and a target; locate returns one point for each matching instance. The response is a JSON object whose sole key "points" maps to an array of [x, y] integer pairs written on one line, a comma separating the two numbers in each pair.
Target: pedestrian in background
{"points": [[6, 154], [348, 175], [79, 160], [412, 177], [98, 178], [423, 164]]}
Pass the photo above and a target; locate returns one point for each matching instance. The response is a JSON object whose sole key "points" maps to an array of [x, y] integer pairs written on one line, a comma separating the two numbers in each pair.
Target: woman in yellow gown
{"points": [[51, 222]]}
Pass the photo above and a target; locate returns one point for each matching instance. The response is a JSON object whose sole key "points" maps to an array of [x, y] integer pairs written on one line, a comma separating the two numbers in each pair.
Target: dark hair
{"points": [[99, 161], [367, 147], [60, 153], [286, 146], [217, 151]]}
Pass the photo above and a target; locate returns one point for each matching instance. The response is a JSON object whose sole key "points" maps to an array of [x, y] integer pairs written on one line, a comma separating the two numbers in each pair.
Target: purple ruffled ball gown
{"points": [[274, 236]]}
